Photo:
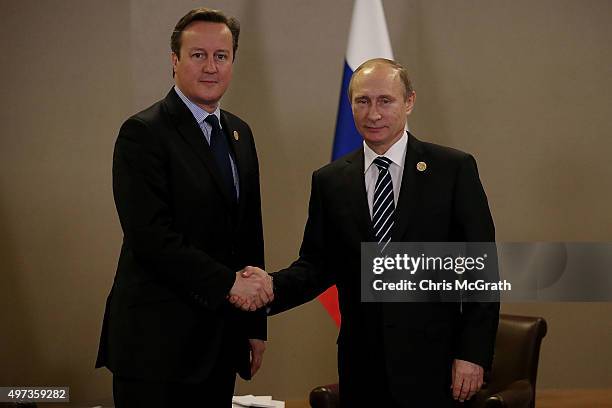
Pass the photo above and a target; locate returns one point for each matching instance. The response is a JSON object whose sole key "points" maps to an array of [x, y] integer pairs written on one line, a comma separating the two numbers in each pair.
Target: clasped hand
{"points": [[252, 289]]}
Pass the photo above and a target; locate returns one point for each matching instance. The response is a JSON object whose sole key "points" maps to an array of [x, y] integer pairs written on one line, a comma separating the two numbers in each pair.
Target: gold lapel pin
{"points": [[421, 166], [236, 135]]}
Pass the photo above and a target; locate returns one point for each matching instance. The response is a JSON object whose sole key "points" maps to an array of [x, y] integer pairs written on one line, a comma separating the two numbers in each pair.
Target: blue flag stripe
{"points": [[346, 137]]}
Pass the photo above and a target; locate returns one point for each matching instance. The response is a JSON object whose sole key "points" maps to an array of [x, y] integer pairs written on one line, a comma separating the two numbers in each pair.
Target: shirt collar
{"points": [[198, 113], [396, 153]]}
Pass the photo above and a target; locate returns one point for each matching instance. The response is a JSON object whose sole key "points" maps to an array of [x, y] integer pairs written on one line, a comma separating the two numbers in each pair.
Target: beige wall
{"points": [[524, 86]]}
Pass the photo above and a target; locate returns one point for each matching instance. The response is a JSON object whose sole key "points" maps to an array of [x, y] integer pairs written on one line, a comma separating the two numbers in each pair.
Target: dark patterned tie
{"points": [[383, 206], [220, 149]]}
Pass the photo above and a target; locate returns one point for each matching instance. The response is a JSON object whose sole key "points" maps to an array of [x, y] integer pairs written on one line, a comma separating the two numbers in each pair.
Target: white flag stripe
{"points": [[368, 37]]}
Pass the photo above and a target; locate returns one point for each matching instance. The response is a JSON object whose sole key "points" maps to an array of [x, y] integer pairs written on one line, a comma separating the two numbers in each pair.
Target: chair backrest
{"points": [[517, 351]]}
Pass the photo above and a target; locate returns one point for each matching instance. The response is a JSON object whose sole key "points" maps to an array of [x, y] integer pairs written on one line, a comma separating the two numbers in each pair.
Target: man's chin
{"points": [[375, 137], [207, 100], [377, 133]]}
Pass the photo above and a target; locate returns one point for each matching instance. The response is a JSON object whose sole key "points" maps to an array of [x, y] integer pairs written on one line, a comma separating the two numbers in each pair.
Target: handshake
{"points": [[252, 289]]}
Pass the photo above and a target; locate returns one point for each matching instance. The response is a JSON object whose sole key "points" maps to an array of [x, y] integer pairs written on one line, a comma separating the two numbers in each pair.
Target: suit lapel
{"points": [[410, 195], [191, 132], [354, 174]]}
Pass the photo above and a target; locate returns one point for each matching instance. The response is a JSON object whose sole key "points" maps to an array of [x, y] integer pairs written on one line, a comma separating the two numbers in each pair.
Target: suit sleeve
{"points": [[141, 188], [256, 322], [308, 276], [478, 321]]}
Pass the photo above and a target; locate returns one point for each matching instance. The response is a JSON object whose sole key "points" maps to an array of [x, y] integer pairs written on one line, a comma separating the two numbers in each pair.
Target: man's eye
{"points": [[221, 57], [197, 55]]}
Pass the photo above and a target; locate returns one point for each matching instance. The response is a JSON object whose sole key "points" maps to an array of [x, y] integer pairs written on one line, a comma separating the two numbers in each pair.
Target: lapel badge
{"points": [[421, 166], [236, 135]]}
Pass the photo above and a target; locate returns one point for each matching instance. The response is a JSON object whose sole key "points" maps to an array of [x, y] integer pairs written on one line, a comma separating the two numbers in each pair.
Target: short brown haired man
{"points": [[394, 188], [186, 187]]}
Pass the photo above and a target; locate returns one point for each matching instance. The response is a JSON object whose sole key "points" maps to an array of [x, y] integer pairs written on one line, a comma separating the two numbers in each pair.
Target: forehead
{"points": [[207, 35], [379, 79]]}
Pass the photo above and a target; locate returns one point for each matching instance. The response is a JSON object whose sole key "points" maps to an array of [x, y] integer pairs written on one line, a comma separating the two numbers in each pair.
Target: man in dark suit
{"points": [[186, 187], [396, 188]]}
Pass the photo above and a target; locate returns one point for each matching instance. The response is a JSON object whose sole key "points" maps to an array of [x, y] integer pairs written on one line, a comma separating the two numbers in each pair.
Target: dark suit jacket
{"points": [[167, 315], [408, 346]]}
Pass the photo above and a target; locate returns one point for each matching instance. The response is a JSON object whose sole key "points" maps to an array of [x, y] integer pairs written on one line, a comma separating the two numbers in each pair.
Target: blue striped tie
{"points": [[383, 206]]}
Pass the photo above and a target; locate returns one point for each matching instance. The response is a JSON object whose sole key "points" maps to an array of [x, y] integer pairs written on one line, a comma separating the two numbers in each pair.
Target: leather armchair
{"points": [[512, 380], [325, 396]]}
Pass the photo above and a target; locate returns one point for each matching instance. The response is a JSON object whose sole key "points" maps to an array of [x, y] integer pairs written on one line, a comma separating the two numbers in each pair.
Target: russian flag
{"points": [[368, 38]]}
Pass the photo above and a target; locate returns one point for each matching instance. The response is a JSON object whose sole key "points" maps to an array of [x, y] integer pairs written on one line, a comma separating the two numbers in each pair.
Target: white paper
{"points": [[262, 401]]}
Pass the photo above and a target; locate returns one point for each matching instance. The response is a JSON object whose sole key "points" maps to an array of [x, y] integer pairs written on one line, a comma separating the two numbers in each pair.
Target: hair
{"points": [[208, 15], [403, 74]]}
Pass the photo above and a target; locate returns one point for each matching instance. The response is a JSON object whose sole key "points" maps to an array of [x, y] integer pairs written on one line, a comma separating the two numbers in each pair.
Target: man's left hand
{"points": [[467, 379], [257, 351]]}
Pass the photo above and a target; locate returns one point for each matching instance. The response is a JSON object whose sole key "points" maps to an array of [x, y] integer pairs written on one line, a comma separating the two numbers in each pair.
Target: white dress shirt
{"points": [[200, 116], [397, 155]]}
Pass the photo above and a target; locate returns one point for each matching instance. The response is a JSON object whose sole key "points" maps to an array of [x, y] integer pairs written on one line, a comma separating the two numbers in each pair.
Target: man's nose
{"points": [[210, 66], [373, 114]]}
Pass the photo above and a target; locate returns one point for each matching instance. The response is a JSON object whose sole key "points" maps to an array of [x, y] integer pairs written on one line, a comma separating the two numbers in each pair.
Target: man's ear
{"points": [[410, 102], [175, 59]]}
